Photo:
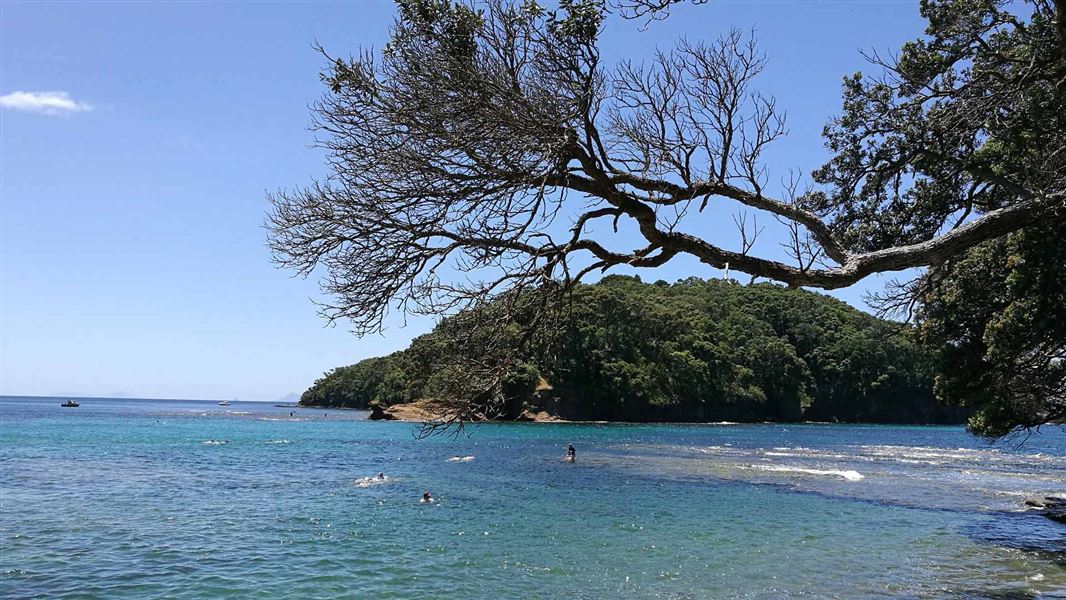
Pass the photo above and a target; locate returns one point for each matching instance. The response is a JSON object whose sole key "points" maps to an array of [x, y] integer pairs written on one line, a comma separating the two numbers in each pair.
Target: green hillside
{"points": [[693, 351]]}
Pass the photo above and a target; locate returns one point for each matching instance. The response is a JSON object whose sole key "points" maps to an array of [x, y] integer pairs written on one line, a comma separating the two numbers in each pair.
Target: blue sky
{"points": [[132, 253]]}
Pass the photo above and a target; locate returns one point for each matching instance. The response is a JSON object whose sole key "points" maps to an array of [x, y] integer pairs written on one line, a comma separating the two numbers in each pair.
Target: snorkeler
{"points": [[571, 454]]}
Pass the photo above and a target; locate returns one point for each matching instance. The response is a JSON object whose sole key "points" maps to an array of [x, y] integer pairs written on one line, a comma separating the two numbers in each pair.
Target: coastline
{"points": [[428, 411]]}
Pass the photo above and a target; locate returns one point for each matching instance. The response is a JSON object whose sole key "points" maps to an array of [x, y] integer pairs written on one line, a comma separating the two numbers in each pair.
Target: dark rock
{"points": [[1052, 507], [378, 413]]}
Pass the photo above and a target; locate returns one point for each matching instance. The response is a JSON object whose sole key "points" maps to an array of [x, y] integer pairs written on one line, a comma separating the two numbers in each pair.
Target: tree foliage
{"points": [[995, 318], [968, 120], [381, 379], [985, 119]]}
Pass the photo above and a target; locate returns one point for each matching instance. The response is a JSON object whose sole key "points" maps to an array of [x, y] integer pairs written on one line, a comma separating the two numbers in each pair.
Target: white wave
{"points": [[849, 474], [215, 442], [707, 449], [277, 442], [810, 454], [365, 482], [461, 459], [932, 452]]}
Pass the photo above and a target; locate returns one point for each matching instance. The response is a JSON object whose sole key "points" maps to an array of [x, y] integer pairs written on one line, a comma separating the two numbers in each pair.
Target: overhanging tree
{"points": [[472, 156], [994, 319]]}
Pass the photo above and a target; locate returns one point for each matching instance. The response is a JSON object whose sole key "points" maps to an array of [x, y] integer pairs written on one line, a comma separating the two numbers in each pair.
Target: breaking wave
{"points": [[849, 475]]}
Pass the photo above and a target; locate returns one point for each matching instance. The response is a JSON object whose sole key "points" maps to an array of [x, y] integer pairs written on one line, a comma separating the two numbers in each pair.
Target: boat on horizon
{"points": [[223, 402], [70, 404]]}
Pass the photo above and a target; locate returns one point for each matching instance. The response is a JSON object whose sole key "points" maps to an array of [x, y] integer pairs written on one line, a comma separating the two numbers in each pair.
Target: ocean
{"points": [[188, 499]]}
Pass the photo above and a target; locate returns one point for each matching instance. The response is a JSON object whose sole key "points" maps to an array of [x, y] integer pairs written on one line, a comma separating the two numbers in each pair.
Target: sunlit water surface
{"points": [[153, 499]]}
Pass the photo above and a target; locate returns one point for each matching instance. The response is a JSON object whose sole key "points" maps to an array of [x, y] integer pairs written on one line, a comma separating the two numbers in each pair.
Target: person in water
{"points": [[381, 476], [426, 498], [571, 454]]}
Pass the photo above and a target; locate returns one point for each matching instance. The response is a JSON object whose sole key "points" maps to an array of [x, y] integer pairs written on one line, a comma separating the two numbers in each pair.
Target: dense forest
{"points": [[694, 351]]}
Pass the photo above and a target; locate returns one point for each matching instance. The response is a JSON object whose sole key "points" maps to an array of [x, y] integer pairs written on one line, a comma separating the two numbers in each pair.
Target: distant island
{"points": [[692, 351]]}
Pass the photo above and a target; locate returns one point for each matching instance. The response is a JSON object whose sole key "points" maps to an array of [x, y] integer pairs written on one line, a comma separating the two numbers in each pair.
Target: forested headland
{"points": [[693, 350]]}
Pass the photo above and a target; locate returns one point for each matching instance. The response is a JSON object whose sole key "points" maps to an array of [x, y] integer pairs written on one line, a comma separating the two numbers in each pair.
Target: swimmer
{"points": [[426, 498], [571, 454], [381, 476]]}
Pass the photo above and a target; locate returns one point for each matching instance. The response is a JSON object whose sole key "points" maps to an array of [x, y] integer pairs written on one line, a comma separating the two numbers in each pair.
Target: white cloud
{"points": [[45, 103]]}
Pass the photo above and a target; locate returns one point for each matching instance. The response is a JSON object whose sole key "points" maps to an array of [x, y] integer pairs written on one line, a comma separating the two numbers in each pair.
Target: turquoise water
{"points": [[153, 499]]}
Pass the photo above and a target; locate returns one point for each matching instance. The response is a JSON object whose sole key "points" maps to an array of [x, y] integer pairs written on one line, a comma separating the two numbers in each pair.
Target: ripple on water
{"points": [[134, 507]]}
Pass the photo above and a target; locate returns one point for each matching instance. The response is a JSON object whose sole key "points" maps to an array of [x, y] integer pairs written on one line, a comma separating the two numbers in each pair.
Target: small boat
{"points": [[70, 404], [223, 403]]}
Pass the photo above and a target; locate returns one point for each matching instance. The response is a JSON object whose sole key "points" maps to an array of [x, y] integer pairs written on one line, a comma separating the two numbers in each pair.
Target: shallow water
{"points": [[146, 499]]}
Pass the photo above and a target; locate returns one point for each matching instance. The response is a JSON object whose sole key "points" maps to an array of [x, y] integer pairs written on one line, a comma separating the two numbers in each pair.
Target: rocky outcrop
{"points": [[1052, 507], [543, 416], [378, 413], [429, 411], [421, 411]]}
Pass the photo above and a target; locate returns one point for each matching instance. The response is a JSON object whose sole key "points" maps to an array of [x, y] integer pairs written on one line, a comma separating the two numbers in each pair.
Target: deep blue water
{"points": [[183, 499]]}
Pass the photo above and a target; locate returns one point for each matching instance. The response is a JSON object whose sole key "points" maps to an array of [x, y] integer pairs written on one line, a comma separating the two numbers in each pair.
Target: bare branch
{"points": [[747, 238]]}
